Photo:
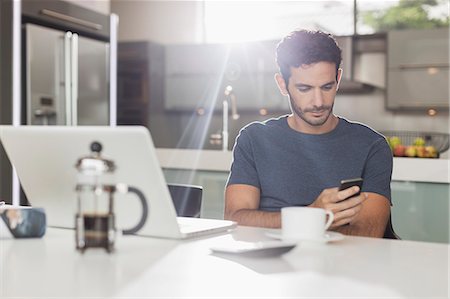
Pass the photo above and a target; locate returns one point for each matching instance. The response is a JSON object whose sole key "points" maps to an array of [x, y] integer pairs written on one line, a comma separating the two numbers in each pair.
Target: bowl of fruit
{"points": [[417, 144]]}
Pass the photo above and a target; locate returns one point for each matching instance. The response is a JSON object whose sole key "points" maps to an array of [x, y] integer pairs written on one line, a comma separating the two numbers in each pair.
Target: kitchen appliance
{"points": [[63, 60], [67, 78]]}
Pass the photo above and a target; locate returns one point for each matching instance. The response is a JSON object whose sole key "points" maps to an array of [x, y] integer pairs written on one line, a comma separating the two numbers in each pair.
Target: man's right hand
{"points": [[343, 204]]}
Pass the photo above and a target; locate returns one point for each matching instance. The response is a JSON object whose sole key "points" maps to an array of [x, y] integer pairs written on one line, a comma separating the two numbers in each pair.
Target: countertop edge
{"points": [[212, 160], [405, 169], [421, 170]]}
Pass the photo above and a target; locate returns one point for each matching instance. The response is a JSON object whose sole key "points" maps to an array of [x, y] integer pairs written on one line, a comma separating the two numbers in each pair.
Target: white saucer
{"points": [[327, 237]]}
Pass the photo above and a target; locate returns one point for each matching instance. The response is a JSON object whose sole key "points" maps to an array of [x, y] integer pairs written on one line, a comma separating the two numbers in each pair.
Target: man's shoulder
{"points": [[258, 126], [361, 129]]}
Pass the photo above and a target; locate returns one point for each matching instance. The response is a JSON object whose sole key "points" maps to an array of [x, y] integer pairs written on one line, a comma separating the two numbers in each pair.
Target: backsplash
{"points": [[370, 109]]}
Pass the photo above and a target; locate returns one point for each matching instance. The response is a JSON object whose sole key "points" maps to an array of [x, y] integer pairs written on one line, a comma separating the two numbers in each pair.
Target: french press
{"points": [[95, 218]]}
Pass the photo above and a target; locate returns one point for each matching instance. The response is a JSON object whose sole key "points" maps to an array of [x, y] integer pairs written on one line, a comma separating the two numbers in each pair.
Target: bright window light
{"points": [[240, 21]]}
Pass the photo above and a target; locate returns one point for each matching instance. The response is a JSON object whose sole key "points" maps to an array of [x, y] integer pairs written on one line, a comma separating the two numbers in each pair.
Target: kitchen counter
{"points": [[405, 169]]}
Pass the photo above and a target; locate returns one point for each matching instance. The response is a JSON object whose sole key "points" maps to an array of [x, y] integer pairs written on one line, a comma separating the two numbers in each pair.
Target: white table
{"points": [[149, 267]]}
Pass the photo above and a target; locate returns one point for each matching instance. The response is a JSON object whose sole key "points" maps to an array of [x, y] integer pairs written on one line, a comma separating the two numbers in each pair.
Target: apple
{"points": [[411, 151], [399, 150], [421, 152], [431, 151], [394, 141], [419, 141]]}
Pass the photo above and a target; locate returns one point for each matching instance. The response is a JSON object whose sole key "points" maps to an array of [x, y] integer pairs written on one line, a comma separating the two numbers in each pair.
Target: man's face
{"points": [[312, 89]]}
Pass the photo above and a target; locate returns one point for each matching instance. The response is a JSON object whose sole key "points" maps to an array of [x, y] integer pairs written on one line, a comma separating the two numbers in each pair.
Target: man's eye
{"points": [[327, 87], [304, 89]]}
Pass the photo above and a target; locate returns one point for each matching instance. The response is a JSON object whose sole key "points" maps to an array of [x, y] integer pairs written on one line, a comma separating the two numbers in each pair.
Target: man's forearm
{"points": [[256, 218], [365, 230], [372, 219]]}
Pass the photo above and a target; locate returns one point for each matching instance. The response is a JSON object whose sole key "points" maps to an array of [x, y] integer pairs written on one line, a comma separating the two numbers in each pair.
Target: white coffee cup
{"points": [[305, 223]]}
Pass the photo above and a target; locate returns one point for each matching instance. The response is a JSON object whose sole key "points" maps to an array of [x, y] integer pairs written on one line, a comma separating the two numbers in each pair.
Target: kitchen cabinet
{"points": [[420, 211], [197, 75], [418, 69], [140, 79], [193, 75]]}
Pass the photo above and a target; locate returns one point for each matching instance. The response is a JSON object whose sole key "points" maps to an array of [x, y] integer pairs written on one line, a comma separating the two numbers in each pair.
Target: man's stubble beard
{"points": [[302, 114]]}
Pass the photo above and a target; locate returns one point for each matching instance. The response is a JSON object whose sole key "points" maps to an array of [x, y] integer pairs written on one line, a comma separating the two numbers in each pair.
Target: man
{"points": [[300, 159]]}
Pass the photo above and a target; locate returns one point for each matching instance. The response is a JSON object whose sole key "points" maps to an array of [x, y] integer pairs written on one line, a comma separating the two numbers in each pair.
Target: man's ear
{"points": [[281, 84], [339, 77]]}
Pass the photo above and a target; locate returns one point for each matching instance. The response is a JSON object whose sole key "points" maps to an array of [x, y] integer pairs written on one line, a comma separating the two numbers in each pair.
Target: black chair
{"points": [[187, 199], [389, 231]]}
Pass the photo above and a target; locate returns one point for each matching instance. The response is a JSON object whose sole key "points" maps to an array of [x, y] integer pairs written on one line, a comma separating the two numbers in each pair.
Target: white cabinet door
{"points": [[418, 88], [418, 69], [409, 48]]}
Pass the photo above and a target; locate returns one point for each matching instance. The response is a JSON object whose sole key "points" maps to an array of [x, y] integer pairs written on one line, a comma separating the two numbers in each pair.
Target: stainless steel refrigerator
{"points": [[67, 78], [59, 67]]}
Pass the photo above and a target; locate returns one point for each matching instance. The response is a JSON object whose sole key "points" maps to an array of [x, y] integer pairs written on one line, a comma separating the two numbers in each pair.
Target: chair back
{"points": [[187, 199], [389, 231]]}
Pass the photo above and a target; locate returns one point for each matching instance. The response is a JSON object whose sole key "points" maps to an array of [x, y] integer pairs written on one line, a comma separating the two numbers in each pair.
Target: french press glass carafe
{"points": [[95, 219]]}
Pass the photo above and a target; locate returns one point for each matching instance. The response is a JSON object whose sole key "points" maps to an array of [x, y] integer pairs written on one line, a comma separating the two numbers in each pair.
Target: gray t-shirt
{"points": [[292, 168]]}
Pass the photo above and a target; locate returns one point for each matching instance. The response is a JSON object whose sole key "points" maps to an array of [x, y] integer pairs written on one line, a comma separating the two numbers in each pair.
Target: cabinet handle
{"points": [[422, 65], [74, 78], [71, 19], [67, 77]]}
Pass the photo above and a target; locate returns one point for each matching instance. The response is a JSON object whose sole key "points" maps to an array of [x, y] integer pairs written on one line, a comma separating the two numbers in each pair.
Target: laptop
{"points": [[45, 158]]}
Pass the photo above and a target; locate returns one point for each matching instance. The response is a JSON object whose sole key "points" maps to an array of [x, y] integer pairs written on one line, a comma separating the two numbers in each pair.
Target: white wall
{"points": [[166, 22], [101, 6]]}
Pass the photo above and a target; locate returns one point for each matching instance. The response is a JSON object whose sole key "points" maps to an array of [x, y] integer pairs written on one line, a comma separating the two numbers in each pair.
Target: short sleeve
{"points": [[377, 172], [243, 168]]}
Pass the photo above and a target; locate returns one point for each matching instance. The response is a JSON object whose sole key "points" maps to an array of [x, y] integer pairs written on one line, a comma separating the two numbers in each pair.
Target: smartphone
{"points": [[259, 249], [350, 183]]}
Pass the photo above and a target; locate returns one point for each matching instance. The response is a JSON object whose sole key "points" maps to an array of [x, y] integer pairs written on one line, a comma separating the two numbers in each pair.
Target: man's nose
{"points": [[318, 97]]}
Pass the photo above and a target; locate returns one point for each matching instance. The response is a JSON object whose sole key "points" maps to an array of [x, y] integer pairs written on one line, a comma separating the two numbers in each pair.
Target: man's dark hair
{"points": [[306, 47]]}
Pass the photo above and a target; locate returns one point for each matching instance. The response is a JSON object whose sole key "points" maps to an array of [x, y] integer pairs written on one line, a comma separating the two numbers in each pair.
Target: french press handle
{"points": [[144, 214]]}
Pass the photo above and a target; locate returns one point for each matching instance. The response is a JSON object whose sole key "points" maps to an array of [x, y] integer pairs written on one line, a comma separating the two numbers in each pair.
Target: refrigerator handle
{"points": [[74, 76], [113, 25], [67, 80]]}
